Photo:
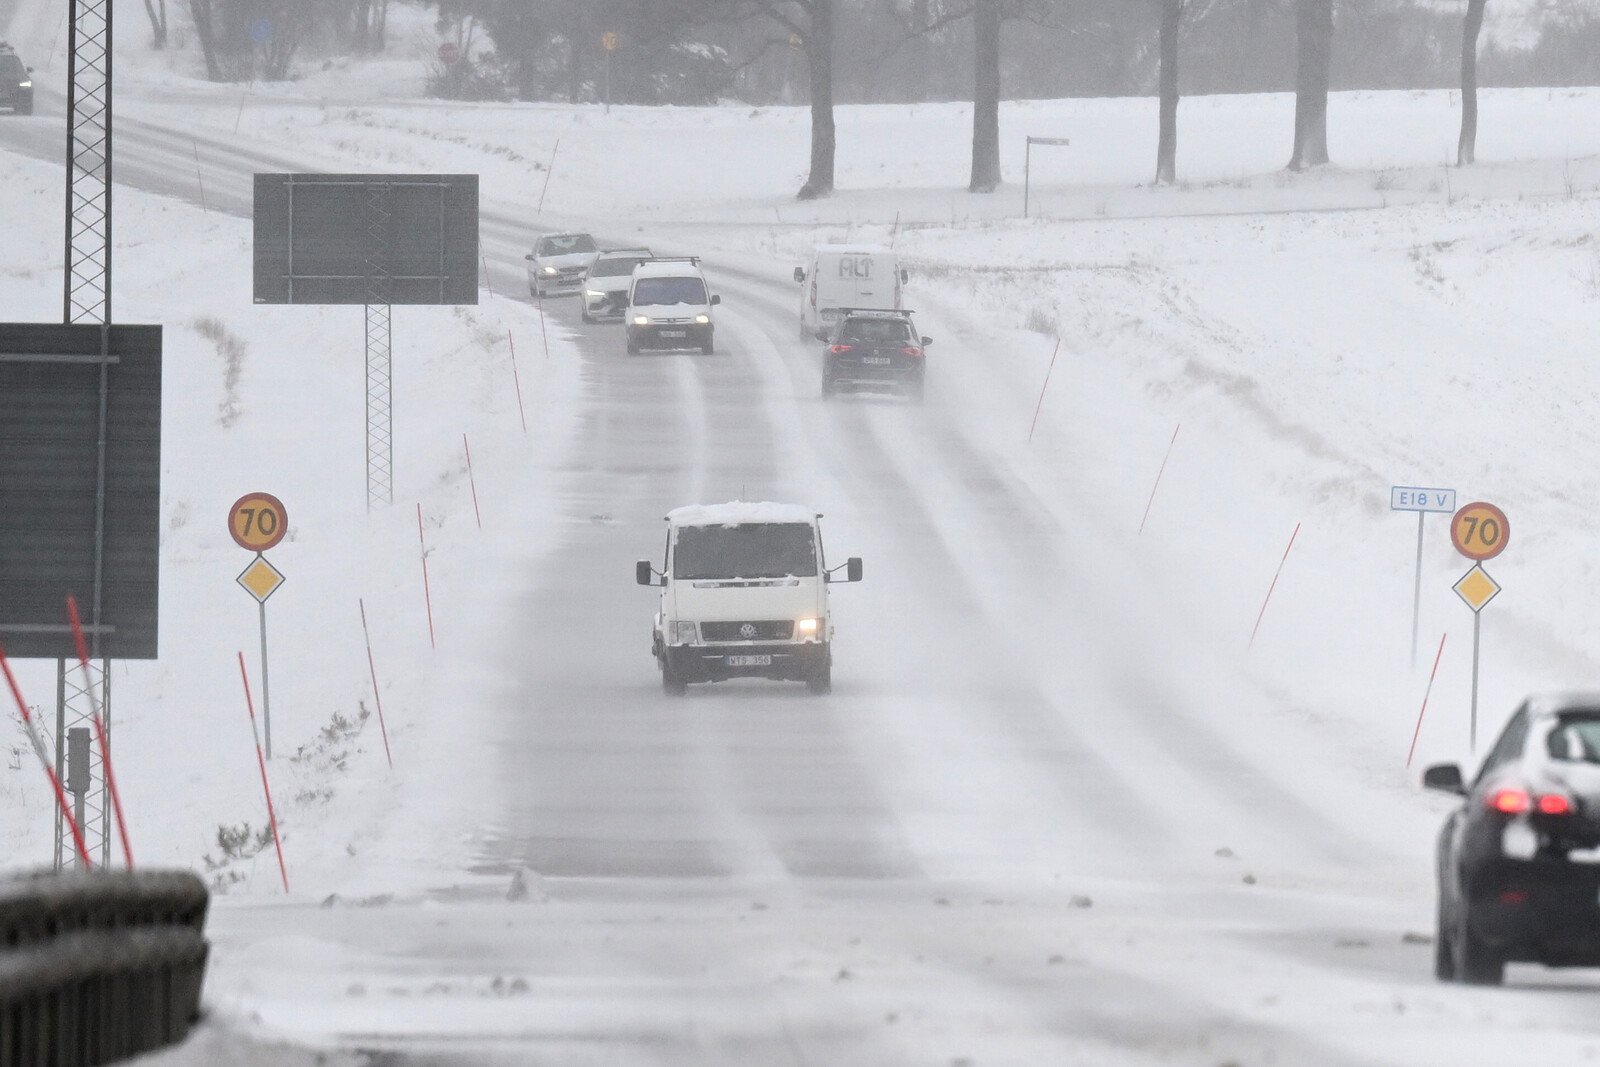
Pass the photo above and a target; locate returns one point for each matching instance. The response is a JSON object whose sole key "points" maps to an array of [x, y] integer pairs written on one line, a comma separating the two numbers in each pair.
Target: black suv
{"points": [[873, 348], [16, 82]]}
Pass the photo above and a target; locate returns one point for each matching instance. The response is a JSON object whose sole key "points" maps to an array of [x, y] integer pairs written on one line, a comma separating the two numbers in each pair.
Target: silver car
{"points": [[558, 263], [605, 288]]}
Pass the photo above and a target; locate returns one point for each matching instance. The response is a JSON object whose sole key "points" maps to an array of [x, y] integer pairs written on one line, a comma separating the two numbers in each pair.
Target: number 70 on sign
{"points": [[258, 521]]}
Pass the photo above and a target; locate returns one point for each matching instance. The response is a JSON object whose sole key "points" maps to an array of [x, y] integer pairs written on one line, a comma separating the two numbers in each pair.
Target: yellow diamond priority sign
{"points": [[1477, 588], [261, 579]]}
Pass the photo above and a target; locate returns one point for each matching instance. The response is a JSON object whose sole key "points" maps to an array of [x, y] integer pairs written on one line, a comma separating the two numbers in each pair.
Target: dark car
{"points": [[605, 287], [1519, 860], [874, 349], [16, 82]]}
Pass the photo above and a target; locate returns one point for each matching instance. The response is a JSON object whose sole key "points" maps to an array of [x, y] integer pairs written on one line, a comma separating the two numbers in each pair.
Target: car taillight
{"points": [[834, 350], [1510, 801], [1554, 804], [913, 351]]}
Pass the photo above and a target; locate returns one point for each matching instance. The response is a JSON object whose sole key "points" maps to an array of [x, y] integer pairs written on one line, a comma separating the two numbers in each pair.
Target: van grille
{"points": [[747, 631]]}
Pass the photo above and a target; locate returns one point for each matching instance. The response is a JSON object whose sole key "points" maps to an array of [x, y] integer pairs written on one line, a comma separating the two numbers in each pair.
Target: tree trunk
{"points": [[1467, 147], [985, 97], [200, 11], [819, 51], [1314, 40], [158, 29], [1167, 142]]}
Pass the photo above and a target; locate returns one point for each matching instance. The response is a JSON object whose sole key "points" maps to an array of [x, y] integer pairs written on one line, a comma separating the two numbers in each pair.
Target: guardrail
{"points": [[98, 967]]}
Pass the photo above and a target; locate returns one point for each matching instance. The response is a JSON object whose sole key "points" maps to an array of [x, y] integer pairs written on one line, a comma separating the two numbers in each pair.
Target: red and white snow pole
{"points": [[261, 761], [44, 762]]}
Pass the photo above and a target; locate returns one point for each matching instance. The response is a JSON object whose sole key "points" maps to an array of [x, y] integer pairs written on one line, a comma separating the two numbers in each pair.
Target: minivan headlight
{"points": [[24, 85], [684, 633], [597, 294], [808, 627], [703, 320], [641, 320]]}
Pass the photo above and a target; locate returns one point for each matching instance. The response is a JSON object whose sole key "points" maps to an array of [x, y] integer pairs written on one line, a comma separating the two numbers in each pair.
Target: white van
{"points": [[847, 276], [744, 593], [669, 306]]}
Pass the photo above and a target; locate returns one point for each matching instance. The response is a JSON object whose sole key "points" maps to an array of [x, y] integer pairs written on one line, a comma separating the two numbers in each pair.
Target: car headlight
{"points": [[547, 270], [641, 320], [24, 85], [808, 627], [684, 633], [597, 294], [704, 320]]}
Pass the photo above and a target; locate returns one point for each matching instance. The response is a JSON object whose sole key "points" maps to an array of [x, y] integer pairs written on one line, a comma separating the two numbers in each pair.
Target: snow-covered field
{"points": [[1060, 809]]}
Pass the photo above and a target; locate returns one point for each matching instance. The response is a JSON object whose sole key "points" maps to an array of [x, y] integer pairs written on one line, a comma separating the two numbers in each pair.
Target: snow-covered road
{"points": [[1043, 818]]}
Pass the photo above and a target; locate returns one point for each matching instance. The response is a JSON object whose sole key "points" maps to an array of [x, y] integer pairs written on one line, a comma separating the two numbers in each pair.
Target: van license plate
{"points": [[877, 361], [674, 333], [749, 661]]}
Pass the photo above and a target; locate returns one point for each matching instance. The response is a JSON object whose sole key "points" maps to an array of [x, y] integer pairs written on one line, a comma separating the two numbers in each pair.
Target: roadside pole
{"points": [[257, 522], [1479, 531], [1027, 165], [1422, 501]]}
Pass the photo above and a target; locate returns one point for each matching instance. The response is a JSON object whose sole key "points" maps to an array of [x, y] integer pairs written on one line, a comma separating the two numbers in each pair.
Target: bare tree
{"points": [[1167, 140], [158, 23], [1314, 45], [1467, 147], [200, 12], [986, 16]]}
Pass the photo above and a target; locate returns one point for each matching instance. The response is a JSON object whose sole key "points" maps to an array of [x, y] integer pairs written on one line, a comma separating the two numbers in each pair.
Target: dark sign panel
{"points": [[366, 239], [50, 481]]}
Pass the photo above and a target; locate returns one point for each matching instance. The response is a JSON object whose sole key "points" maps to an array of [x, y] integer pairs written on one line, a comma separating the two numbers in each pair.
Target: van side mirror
{"points": [[716, 299], [1446, 778], [926, 341], [643, 573], [852, 569], [528, 257], [799, 274], [905, 276]]}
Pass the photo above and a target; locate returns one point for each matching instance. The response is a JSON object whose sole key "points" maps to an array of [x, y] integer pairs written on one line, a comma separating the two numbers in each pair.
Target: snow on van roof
{"points": [[739, 511], [853, 250]]}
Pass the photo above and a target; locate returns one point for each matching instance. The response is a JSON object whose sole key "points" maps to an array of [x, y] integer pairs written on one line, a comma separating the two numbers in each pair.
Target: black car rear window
{"points": [[877, 331], [11, 67], [1576, 739]]}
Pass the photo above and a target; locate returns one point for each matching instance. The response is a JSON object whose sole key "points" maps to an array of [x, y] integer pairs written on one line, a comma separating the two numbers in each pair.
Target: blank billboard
{"points": [[50, 389], [366, 238]]}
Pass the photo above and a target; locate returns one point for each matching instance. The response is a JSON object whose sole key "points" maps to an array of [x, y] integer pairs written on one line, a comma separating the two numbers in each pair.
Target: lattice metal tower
{"points": [[380, 396], [87, 300]]}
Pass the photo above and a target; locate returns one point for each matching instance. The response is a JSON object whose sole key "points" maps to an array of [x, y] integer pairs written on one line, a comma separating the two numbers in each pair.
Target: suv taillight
{"points": [[834, 350], [1510, 801], [913, 351]]}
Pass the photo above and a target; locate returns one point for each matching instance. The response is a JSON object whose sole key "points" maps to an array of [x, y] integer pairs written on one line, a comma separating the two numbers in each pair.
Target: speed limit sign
{"points": [[1480, 531], [258, 521]]}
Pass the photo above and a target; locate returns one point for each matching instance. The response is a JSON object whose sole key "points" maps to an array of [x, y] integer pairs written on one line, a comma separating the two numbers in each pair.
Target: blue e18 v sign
{"points": [[1416, 498]]}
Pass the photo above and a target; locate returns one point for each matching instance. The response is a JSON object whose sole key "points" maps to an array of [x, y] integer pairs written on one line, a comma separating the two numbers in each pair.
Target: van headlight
{"points": [[597, 294], [704, 320], [24, 85], [684, 633], [641, 320], [808, 627], [547, 270]]}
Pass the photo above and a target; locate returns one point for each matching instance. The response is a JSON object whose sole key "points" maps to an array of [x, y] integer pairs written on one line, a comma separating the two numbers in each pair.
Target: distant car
{"points": [[558, 263], [669, 306], [874, 349], [1519, 860], [605, 287], [16, 82]]}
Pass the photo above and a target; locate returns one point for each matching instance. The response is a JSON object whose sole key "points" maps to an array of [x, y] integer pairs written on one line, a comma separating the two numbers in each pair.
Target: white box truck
{"points": [[744, 593], [847, 276]]}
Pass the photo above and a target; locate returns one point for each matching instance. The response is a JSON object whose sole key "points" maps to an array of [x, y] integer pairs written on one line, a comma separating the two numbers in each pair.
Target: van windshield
{"points": [[747, 550], [668, 291]]}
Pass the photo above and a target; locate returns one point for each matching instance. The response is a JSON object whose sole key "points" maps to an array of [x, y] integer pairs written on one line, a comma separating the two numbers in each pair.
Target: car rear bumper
{"points": [[670, 335], [558, 285], [1545, 911], [900, 370], [789, 661], [17, 99]]}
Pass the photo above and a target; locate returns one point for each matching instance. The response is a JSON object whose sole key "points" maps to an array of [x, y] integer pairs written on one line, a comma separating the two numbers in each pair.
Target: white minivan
{"points": [[847, 276], [669, 306], [744, 593]]}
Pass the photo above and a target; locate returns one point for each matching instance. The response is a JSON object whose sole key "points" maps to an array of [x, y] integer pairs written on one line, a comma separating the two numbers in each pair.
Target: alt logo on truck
{"points": [[855, 267]]}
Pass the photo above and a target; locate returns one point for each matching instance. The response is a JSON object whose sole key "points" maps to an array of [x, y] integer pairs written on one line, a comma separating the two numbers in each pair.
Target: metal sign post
{"points": [[1479, 531], [258, 521], [1027, 164], [608, 41], [1422, 501]]}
